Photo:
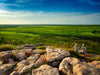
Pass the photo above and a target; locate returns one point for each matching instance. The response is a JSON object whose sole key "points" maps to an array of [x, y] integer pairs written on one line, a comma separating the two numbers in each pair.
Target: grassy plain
{"points": [[57, 36]]}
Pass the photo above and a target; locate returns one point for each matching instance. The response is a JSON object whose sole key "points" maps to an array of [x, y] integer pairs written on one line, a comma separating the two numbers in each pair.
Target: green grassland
{"points": [[58, 36]]}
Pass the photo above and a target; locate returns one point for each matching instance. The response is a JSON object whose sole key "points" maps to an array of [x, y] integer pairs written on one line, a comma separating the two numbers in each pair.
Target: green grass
{"points": [[5, 47], [58, 36]]}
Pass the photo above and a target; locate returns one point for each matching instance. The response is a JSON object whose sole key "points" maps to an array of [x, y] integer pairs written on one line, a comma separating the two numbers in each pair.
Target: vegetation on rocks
{"points": [[6, 47]]}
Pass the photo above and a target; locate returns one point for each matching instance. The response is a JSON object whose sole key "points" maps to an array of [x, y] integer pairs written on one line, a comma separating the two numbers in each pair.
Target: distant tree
{"points": [[94, 31]]}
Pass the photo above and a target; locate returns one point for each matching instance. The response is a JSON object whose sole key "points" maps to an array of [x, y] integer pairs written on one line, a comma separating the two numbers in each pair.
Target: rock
{"points": [[39, 62], [28, 52], [28, 46], [3, 72], [15, 73], [5, 55], [72, 66], [20, 56], [21, 65], [45, 70], [56, 54], [95, 63], [26, 69], [10, 60], [33, 58], [39, 44], [5, 68], [1, 63], [55, 63], [22, 62]]}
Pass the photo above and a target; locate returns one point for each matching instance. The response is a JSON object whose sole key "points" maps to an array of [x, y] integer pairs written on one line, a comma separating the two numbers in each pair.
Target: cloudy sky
{"points": [[49, 11]]}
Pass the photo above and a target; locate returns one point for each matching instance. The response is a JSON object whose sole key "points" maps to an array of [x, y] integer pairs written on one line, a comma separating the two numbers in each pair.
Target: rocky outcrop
{"points": [[5, 68], [45, 70], [55, 54], [32, 62], [28, 46], [72, 66]]}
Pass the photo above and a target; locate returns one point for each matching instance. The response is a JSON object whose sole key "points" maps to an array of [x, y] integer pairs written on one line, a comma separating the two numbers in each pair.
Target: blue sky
{"points": [[49, 11]]}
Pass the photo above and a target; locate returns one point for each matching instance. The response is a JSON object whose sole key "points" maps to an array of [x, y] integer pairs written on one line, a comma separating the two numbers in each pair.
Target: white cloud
{"points": [[21, 17]]}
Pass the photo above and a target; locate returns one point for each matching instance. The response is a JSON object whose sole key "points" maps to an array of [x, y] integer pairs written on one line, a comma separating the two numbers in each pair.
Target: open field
{"points": [[58, 36]]}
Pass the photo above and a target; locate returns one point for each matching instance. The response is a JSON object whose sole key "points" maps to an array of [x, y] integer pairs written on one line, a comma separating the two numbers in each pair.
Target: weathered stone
{"points": [[21, 65], [56, 54], [72, 66], [10, 60], [45, 70], [28, 46], [33, 58], [3, 72], [4, 68], [39, 62], [28, 52], [5, 55], [15, 73], [95, 63], [26, 69], [1, 63], [39, 44], [20, 56]]}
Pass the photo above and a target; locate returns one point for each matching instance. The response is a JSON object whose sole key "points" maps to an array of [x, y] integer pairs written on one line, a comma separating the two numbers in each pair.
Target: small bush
{"points": [[42, 52], [41, 47], [5, 47]]}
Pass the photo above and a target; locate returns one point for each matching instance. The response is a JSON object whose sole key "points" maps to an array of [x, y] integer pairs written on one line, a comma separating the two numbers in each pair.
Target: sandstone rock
{"points": [[33, 58], [3, 72], [45, 70], [20, 56], [28, 52], [39, 62], [4, 68], [15, 73], [1, 63], [56, 54], [22, 62], [5, 55], [95, 63], [26, 69], [21, 65], [72, 66], [39, 44], [28, 46], [10, 60]]}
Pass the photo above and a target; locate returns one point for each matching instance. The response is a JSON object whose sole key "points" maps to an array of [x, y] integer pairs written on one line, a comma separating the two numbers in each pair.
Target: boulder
{"points": [[1, 63], [55, 54], [33, 58], [39, 44], [28, 52], [20, 56], [39, 62], [26, 69], [4, 55], [45, 70], [72, 66], [10, 60], [21, 65], [28, 46], [15, 73], [3, 72], [5, 68], [95, 63]]}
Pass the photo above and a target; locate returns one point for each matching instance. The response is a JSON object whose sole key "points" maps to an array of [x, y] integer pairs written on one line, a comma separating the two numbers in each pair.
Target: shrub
{"points": [[41, 47], [5, 47], [42, 52]]}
